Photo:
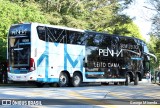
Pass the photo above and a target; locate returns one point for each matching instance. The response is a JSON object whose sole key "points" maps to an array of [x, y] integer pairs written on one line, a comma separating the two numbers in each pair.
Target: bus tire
{"points": [[127, 79], [39, 84], [77, 79], [136, 80], [63, 80]]}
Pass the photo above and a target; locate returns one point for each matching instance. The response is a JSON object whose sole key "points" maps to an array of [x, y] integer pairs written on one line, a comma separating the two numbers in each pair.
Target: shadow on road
{"points": [[31, 85]]}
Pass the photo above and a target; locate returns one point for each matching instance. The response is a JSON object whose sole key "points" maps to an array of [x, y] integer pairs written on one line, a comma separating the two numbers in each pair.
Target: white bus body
{"points": [[52, 60]]}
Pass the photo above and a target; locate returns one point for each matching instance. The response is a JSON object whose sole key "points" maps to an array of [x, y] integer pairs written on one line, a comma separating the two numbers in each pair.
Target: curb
{"points": [[156, 83], [14, 84], [10, 84]]}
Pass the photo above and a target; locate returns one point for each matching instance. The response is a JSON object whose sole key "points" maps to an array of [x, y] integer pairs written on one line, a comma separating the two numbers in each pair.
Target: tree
{"points": [[124, 26], [154, 44], [155, 8], [95, 15], [98, 15], [154, 47], [12, 13]]}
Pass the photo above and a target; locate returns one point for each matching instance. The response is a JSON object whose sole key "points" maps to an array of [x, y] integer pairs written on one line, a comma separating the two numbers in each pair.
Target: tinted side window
{"points": [[41, 30], [106, 41], [115, 42], [50, 34], [98, 39], [74, 37], [56, 35]]}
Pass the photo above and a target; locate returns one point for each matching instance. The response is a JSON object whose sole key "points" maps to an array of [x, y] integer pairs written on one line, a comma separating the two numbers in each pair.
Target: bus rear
{"points": [[20, 63]]}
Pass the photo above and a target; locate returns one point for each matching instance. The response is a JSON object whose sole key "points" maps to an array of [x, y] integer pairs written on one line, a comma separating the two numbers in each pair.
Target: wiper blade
{"points": [[17, 36]]}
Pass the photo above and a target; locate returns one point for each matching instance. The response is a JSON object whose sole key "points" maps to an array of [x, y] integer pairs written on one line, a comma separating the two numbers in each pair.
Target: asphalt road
{"points": [[93, 95]]}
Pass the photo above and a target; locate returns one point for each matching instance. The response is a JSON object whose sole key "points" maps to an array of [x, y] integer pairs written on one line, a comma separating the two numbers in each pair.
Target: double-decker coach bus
{"points": [[44, 53]]}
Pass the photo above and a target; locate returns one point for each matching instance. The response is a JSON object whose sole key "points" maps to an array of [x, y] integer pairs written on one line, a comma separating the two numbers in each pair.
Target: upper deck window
{"points": [[20, 30], [50, 34]]}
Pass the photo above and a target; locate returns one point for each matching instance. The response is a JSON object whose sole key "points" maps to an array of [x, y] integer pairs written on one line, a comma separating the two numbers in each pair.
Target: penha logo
{"points": [[106, 52]]}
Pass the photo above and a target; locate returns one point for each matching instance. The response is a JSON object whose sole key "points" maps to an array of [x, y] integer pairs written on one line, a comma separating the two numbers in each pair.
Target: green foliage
{"points": [[128, 29], [11, 13], [155, 34], [154, 47], [97, 15], [155, 7]]}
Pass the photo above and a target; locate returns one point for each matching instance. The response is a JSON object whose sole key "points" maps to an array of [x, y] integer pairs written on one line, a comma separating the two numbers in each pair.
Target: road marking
{"points": [[90, 100], [117, 96]]}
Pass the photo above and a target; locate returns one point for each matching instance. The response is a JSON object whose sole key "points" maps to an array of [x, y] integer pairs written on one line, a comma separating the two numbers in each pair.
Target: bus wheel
{"points": [[39, 84], [136, 80], [127, 79], [63, 80], [76, 80]]}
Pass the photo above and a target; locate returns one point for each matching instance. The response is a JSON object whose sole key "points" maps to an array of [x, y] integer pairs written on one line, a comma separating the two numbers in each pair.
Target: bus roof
{"points": [[55, 26], [73, 29], [112, 34]]}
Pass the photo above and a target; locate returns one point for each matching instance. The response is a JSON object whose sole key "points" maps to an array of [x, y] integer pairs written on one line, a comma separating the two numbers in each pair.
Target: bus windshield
{"points": [[19, 45]]}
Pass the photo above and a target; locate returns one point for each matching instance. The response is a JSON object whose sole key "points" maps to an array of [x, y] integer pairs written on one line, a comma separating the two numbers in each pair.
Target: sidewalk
{"points": [[145, 82], [156, 83]]}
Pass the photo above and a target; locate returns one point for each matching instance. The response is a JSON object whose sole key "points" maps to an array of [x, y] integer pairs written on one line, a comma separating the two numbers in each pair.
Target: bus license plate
{"points": [[18, 77]]}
